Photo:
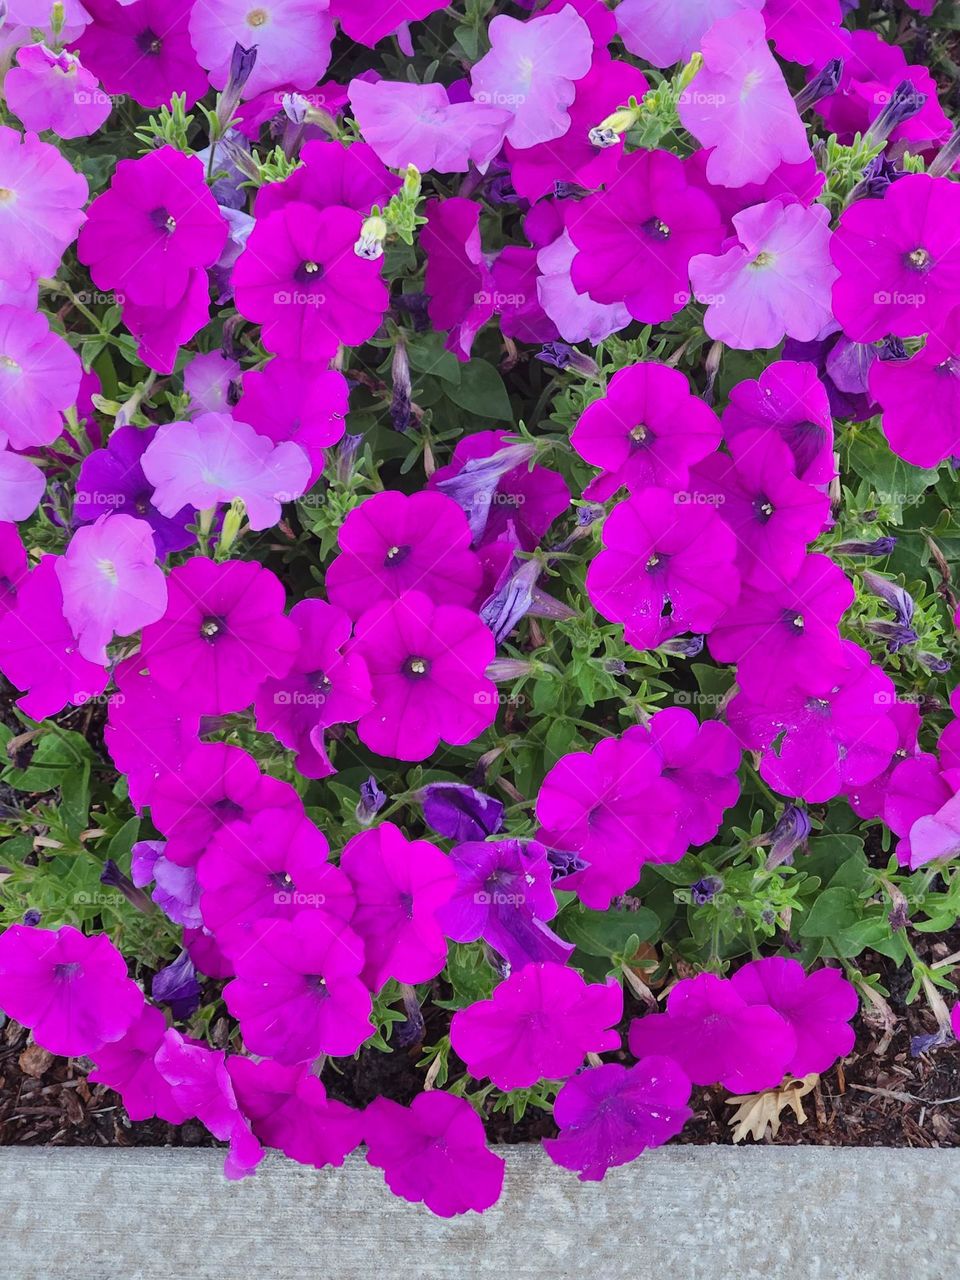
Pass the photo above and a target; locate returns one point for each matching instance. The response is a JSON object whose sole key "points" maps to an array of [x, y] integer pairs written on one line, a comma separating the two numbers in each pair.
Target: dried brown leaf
{"points": [[755, 1111], [35, 1060]]}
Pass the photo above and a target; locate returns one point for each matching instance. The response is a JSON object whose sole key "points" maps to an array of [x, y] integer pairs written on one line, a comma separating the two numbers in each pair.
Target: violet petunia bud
{"points": [[113, 878], [823, 85], [790, 833], [372, 800], [176, 985], [460, 812], [905, 102]]}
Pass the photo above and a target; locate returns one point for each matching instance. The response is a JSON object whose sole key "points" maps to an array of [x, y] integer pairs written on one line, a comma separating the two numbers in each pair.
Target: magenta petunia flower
{"points": [[503, 895], [776, 281], [304, 403], [368, 21], [516, 296], [899, 260], [573, 158], [273, 866], [223, 634], [785, 635], [920, 397], [14, 567], [531, 70], [818, 746], [400, 885], [773, 514], [739, 85], [817, 1006], [810, 35], [127, 1065], [288, 1108], [41, 208], [300, 278], [155, 224], [111, 583], [52, 90], [324, 686], [216, 785], [39, 377], [647, 429], [635, 240], [332, 174], [143, 50], [292, 39], [395, 542], [147, 733], [613, 809], [202, 1084], [668, 566], [458, 281], [216, 459], [427, 665], [717, 1036], [500, 498], [296, 994], [790, 399], [161, 331], [609, 1115], [870, 800], [418, 124], [934, 833], [434, 1152], [538, 1025], [664, 32], [38, 650], [71, 991]]}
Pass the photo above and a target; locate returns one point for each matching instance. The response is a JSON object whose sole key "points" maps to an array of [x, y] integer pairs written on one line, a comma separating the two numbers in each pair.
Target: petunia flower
{"points": [[223, 634], [393, 543], [147, 733], [434, 1152], [176, 986], [41, 209], [609, 1115], [300, 278], [71, 991], [216, 459], [789, 399], [635, 240], [22, 486], [296, 994], [38, 650], [647, 429], [668, 566], [740, 85], [717, 1037], [920, 397], [504, 896], [531, 70], [368, 21], [155, 224], [459, 812], [458, 282], [817, 1006], [127, 1066], [39, 377], [332, 174], [427, 665], [53, 90], [577, 316], [143, 50], [400, 887], [177, 891], [663, 32], [776, 281], [210, 380], [111, 583], [292, 39], [288, 1108], [898, 260], [161, 331], [538, 1024], [805, 34], [304, 403], [324, 686], [869, 800], [14, 567]]}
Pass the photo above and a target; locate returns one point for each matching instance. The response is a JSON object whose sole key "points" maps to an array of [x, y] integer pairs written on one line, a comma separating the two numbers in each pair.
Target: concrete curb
{"points": [[683, 1213]]}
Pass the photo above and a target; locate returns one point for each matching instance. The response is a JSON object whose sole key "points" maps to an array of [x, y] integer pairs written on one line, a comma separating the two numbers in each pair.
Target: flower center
{"points": [[639, 433], [656, 229], [763, 259], [212, 627], [920, 260], [795, 620], [256, 17], [163, 220], [763, 508], [395, 556], [68, 971], [318, 681], [308, 272], [7, 196], [108, 569], [8, 362], [417, 668], [149, 42]]}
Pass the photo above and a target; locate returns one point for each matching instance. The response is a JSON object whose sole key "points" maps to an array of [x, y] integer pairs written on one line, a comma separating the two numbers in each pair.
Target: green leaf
{"points": [[482, 391], [427, 355], [895, 481], [606, 933], [834, 911]]}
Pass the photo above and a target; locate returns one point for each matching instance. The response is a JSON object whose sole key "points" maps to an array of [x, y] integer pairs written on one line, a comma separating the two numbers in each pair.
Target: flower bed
{"points": [[477, 574]]}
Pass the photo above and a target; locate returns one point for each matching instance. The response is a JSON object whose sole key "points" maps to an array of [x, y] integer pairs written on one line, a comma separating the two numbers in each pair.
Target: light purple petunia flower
{"points": [[577, 316], [459, 812], [609, 1115], [71, 991], [531, 71], [538, 1024], [39, 377], [22, 486], [292, 39], [41, 203], [664, 32], [177, 892], [776, 281], [209, 380], [52, 90], [434, 1152]]}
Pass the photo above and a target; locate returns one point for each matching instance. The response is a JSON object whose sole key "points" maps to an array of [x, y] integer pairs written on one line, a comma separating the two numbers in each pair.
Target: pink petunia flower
{"points": [[664, 32], [127, 1065], [147, 732], [577, 316], [161, 331], [332, 174], [39, 378], [537, 1025], [810, 35], [14, 567], [790, 399], [717, 1036], [609, 1115], [111, 582], [292, 39], [304, 403], [52, 90], [368, 21], [41, 208], [458, 282], [427, 665], [223, 634], [668, 566], [870, 800], [434, 1152], [210, 379], [296, 994], [920, 397], [393, 543], [22, 486], [400, 886], [143, 50], [71, 991]]}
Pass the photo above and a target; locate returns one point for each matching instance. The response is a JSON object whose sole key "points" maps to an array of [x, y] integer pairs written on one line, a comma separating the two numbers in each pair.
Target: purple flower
{"points": [[609, 1115], [460, 812], [664, 32], [434, 1152], [143, 50], [289, 400], [41, 208], [176, 985], [920, 397], [331, 174], [209, 380], [577, 317], [368, 21], [177, 891], [51, 90], [39, 378], [790, 833], [127, 1065], [699, 764], [816, 1006], [372, 800], [457, 281], [147, 733], [787, 398], [292, 40]]}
